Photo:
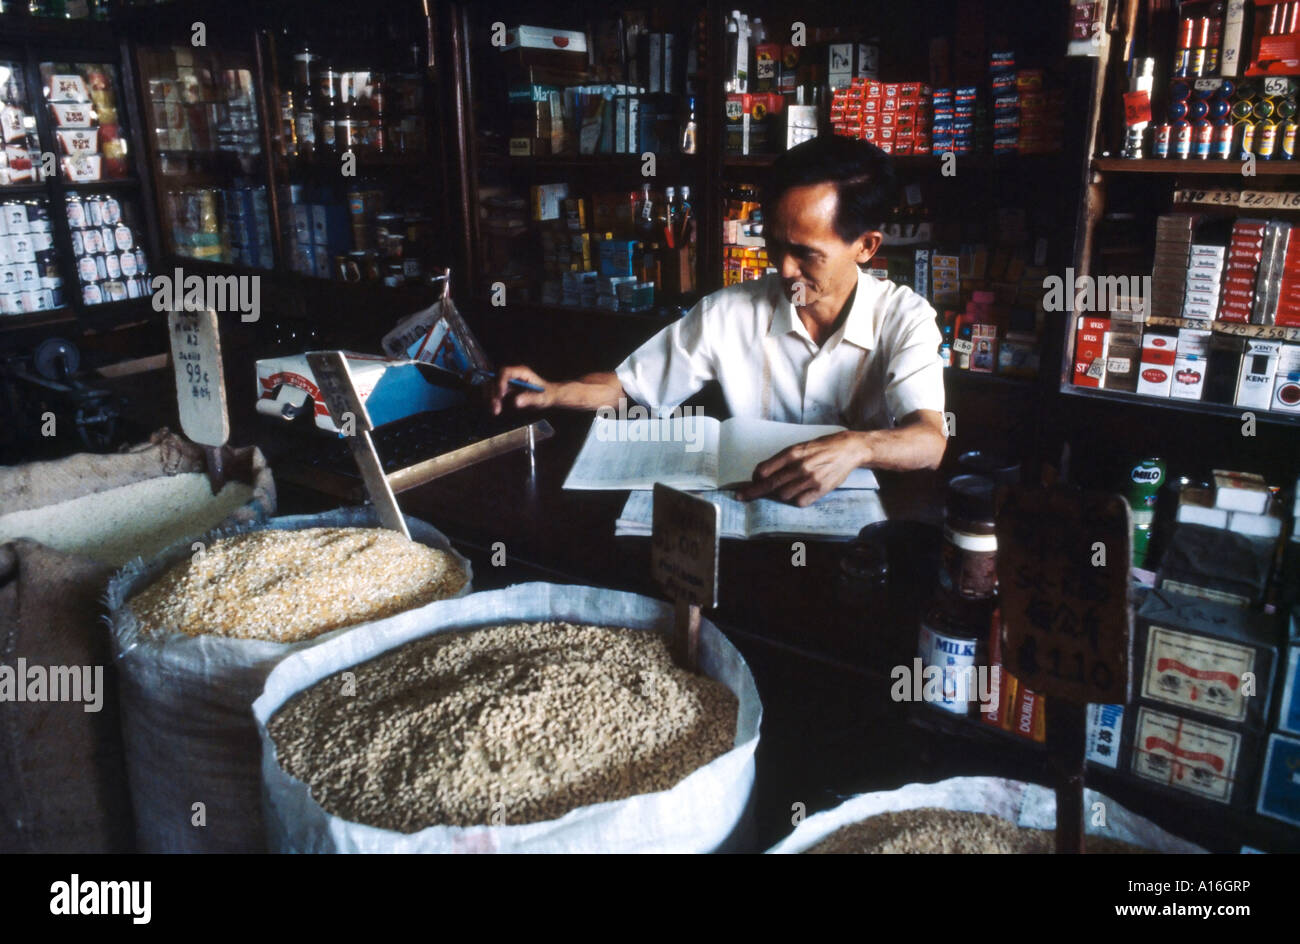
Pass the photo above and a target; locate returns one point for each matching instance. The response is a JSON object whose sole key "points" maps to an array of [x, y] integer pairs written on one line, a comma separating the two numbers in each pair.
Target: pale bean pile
{"points": [[933, 830], [502, 725], [286, 586]]}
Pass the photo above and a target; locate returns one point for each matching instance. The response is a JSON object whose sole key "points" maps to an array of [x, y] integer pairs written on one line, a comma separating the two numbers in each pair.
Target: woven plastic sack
{"points": [[192, 751], [704, 812], [63, 784], [1025, 804]]}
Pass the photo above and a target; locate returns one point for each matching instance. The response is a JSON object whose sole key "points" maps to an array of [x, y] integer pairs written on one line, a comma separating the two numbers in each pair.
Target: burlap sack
{"points": [[62, 775]]}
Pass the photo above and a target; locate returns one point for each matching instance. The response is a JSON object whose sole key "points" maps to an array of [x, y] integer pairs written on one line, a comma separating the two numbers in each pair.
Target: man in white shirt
{"points": [[819, 341]]}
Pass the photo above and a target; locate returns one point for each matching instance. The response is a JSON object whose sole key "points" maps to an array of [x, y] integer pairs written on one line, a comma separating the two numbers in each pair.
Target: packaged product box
{"points": [[1258, 374], [1105, 734], [1217, 565], [1279, 782], [1090, 351], [1205, 659], [1286, 389], [1155, 373], [1288, 713], [1188, 756]]}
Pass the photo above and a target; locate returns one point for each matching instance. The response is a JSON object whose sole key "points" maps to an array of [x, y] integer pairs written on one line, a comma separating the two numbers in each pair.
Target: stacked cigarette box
{"points": [[1006, 101], [1170, 273], [1204, 275], [1245, 250]]}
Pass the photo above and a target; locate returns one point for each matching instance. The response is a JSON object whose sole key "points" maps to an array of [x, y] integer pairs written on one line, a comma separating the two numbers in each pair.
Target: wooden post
{"points": [[684, 561]]}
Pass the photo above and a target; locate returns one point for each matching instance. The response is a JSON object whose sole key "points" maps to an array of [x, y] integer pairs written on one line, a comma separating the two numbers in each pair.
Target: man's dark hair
{"points": [[863, 175]]}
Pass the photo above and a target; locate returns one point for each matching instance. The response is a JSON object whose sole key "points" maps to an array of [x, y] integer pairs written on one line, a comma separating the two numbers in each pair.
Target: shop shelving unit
{"points": [[1106, 173], [29, 41]]}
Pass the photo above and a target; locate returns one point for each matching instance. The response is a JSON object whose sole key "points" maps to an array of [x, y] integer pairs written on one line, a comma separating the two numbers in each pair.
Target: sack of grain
{"points": [[703, 812], [1026, 805], [65, 525], [192, 748]]}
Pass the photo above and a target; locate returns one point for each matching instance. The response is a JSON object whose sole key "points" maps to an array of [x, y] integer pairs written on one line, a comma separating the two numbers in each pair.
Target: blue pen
{"points": [[516, 382]]}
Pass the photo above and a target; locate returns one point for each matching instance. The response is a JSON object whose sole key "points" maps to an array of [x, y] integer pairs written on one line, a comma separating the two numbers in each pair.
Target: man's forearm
{"points": [[917, 445], [590, 392]]}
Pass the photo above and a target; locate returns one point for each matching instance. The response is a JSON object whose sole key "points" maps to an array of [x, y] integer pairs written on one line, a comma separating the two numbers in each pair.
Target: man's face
{"points": [[803, 245]]}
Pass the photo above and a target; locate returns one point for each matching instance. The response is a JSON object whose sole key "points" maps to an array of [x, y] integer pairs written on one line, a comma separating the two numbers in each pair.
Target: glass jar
{"points": [[970, 545]]}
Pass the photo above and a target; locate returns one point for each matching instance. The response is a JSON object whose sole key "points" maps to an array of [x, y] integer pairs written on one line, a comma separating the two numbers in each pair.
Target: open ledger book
{"points": [[841, 514], [688, 452]]}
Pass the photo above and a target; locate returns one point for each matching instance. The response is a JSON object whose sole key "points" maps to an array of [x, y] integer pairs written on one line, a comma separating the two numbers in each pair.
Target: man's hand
{"points": [[806, 471], [590, 392], [523, 398]]}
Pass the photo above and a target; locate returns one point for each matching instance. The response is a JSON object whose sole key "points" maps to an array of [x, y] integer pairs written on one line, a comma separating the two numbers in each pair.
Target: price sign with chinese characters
{"points": [[200, 383], [1063, 574], [684, 561]]}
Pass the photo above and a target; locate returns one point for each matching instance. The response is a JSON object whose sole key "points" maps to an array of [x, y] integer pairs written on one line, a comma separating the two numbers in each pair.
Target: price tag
{"points": [[1063, 573], [1207, 85], [1259, 199], [200, 383], [962, 346], [1137, 107], [1263, 332], [684, 561], [1276, 85]]}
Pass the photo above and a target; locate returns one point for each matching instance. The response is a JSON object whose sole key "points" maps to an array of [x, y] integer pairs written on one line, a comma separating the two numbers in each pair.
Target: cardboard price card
{"points": [[200, 384], [1063, 574], [684, 546]]}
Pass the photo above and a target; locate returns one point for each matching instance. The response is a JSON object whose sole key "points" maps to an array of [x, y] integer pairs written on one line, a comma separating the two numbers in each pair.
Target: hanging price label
{"points": [[1263, 332], [200, 383]]}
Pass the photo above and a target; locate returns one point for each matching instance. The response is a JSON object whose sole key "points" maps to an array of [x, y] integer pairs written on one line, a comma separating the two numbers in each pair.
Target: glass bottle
{"points": [[305, 99], [689, 134], [327, 82]]}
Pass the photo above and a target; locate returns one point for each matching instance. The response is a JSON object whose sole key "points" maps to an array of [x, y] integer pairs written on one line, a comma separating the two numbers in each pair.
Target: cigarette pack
{"points": [[1196, 506], [1258, 374]]}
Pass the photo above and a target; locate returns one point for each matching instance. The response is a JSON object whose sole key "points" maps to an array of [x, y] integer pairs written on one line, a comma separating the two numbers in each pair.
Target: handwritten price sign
{"points": [[200, 384], [1063, 572]]}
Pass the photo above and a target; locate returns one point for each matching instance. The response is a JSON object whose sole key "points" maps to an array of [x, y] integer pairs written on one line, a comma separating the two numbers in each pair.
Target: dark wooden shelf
{"points": [[19, 190], [37, 319], [629, 163], [977, 377], [1185, 406], [1193, 166]]}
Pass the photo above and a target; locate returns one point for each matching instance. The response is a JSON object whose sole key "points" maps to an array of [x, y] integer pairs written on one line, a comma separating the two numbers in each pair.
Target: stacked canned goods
{"points": [[1223, 119], [110, 262], [29, 275]]}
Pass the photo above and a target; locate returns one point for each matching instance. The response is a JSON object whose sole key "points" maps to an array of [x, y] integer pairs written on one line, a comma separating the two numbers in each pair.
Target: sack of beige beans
{"points": [[971, 815], [540, 718], [65, 526], [197, 629]]}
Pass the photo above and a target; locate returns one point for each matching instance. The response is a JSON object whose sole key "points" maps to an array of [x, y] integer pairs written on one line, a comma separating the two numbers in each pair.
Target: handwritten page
{"points": [[681, 452], [745, 443], [691, 452]]}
